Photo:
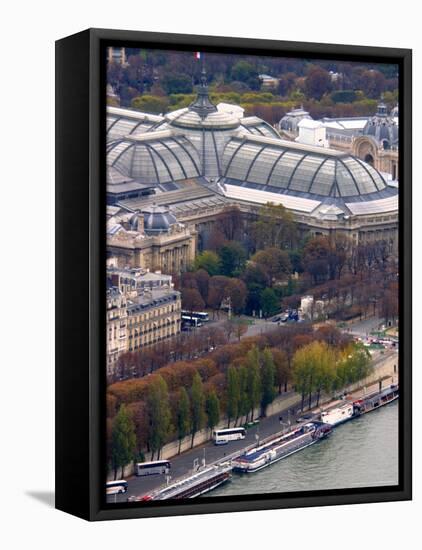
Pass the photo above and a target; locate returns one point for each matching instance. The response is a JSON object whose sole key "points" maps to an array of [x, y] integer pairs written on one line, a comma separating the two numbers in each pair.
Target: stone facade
{"points": [[170, 252], [116, 326]]}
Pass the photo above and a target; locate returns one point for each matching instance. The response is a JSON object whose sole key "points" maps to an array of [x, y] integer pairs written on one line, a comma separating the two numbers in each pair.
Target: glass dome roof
{"points": [[157, 157], [292, 167]]}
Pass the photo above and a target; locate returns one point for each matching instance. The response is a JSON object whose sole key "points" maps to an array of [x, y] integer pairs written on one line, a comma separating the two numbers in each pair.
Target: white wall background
{"points": [[28, 32]]}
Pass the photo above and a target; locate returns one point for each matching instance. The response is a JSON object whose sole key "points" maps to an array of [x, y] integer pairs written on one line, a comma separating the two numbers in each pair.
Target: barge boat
{"points": [[274, 449], [193, 486]]}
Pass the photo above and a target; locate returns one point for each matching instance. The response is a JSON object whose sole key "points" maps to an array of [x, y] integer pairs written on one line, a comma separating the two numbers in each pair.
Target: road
{"points": [[182, 465]]}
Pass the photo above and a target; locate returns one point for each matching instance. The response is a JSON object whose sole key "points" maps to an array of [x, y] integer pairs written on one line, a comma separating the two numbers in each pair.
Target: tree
{"points": [[275, 227], [159, 414], [244, 71], [217, 291], [253, 381], [212, 408], [209, 261], [373, 83], [236, 291], [317, 83], [313, 369], [197, 406], [267, 379], [192, 300], [269, 302], [282, 372], [240, 328], [233, 395], [232, 258], [177, 83], [244, 401], [316, 258], [123, 440], [275, 262], [230, 223], [202, 280], [150, 104], [183, 416]]}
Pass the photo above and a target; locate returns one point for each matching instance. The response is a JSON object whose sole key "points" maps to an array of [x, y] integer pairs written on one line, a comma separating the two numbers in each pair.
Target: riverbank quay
{"points": [[286, 407]]}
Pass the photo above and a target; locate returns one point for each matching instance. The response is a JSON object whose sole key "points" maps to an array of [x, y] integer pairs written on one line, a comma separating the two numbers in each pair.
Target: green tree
{"points": [[123, 440], [267, 378], [243, 71], [243, 408], [183, 416], [233, 395], [212, 408], [197, 406], [253, 382], [159, 414], [209, 261], [150, 104], [269, 302], [232, 258], [313, 369], [177, 83]]}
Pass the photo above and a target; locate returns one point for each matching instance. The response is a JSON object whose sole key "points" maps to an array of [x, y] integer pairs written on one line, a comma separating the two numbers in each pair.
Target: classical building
{"points": [[116, 326], [151, 239], [142, 309], [372, 139], [152, 317], [201, 159], [116, 55], [379, 144], [138, 280]]}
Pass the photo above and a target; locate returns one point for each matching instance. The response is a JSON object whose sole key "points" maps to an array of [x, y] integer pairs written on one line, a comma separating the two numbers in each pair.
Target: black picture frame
{"points": [[80, 273]]}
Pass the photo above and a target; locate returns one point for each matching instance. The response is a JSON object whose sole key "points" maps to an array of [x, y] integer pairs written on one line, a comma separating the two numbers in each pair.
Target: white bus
{"points": [[116, 487], [187, 320], [152, 468], [203, 316], [221, 437]]}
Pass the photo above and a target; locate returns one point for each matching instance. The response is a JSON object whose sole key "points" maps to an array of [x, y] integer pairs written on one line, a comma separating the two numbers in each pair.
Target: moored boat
{"points": [[338, 415], [280, 447], [193, 486], [375, 400]]}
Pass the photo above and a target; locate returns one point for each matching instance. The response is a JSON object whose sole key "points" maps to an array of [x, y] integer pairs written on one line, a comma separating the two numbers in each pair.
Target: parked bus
{"points": [[116, 487], [221, 437], [189, 321], [203, 316], [155, 467]]}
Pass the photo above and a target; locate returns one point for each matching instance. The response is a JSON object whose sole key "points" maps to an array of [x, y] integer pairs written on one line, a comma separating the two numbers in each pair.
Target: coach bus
{"points": [[189, 321], [116, 487], [203, 316], [221, 437], [155, 467]]}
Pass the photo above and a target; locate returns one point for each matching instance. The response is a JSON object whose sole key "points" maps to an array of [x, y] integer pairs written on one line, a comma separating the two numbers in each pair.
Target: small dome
{"points": [[383, 128], [157, 219], [202, 113]]}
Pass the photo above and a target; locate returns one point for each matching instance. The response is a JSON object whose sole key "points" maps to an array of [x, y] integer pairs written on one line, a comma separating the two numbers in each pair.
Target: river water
{"points": [[360, 453]]}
